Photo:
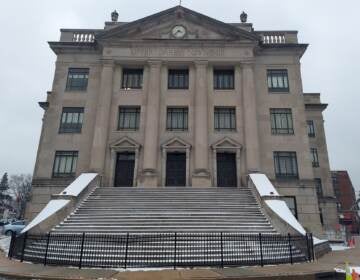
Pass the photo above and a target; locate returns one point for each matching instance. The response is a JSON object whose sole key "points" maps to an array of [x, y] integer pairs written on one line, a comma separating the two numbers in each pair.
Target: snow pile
{"points": [[5, 244], [51, 208], [339, 247], [80, 183], [278, 206], [356, 268], [282, 210], [263, 185]]}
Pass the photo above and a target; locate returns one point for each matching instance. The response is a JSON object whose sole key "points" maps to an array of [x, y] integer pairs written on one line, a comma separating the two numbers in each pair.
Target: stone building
{"points": [[181, 99]]}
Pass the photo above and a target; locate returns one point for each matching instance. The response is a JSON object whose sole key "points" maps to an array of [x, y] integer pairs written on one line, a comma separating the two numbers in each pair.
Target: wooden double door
{"points": [[226, 170], [124, 171], [175, 169]]}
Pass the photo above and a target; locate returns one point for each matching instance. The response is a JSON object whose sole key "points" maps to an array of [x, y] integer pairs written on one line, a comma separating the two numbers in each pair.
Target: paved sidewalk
{"points": [[297, 271]]}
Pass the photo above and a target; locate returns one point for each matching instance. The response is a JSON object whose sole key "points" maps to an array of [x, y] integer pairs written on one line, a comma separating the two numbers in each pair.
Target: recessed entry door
{"points": [[124, 173], [175, 169], [226, 169]]}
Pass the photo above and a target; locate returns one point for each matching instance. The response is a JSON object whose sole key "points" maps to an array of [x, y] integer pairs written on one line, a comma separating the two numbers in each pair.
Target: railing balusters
{"points": [[126, 249], [12, 245], [47, 247], [162, 249], [81, 250], [23, 247], [290, 248], [175, 241], [261, 250]]}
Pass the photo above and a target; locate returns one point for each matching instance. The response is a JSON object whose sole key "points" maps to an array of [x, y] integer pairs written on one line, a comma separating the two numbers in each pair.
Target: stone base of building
{"points": [[201, 178], [149, 178]]}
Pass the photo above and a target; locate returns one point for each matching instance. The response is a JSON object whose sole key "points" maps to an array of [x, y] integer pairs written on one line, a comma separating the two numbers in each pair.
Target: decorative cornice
{"points": [[312, 106]]}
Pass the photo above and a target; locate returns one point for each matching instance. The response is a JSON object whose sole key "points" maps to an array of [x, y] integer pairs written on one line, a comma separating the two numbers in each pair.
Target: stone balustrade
{"points": [[278, 37], [78, 35]]}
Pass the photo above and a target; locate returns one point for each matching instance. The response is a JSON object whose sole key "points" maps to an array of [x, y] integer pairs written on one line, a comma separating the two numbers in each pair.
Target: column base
{"points": [[149, 178], [201, 178]]}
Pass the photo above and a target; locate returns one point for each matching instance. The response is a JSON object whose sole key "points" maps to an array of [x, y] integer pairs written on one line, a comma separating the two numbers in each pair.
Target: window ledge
{"points": [[75, 90], [126, 130], [279, 91]]}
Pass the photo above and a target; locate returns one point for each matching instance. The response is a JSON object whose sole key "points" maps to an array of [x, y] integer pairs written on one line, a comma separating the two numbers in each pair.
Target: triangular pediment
{"points": [[125, 143], [226, 143], [175, 143], [161, 26]]}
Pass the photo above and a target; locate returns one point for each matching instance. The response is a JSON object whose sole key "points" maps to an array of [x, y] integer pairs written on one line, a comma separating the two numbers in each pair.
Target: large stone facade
{"points": [[207, 44]]}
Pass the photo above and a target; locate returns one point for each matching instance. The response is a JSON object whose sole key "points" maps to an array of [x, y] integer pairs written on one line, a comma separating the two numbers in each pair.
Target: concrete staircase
{"points": [[162, 227], [170, 209]]}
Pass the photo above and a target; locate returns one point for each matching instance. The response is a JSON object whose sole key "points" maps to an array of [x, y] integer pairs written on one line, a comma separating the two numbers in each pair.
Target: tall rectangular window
{"points": [[311, 128], [77, 79], [177, 119], [314, 157], [285, 165], [178, 79], [129, 118], [65, 163], [132, 78], [71, 120], [291, 203], [318, 186], [224, 118], [224, 79], [277, 80], [281, 121]]}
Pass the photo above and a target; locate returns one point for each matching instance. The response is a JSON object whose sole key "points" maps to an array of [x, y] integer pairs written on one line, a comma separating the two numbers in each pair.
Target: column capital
{"points": [[201, 63], [107, 62], [154, 63], [247, 63]]}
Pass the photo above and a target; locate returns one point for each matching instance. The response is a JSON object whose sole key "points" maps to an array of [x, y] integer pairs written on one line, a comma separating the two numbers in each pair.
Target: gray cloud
{"points": [[330, 66]]}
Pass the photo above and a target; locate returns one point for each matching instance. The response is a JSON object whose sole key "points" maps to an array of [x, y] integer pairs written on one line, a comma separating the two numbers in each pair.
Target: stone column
{"points": [[250, 118], [101, 129], [201, 175], [151, 143]]}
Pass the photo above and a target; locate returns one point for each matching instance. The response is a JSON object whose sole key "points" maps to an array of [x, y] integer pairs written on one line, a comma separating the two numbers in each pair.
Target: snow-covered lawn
{"points": [[5, 243]]}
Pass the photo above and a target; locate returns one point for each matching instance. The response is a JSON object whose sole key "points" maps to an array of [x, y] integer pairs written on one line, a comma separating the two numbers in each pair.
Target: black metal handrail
{"points": [[178, 249]]}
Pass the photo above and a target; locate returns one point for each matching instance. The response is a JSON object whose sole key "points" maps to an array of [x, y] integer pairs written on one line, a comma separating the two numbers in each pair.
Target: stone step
{"points": [[169, 219]]}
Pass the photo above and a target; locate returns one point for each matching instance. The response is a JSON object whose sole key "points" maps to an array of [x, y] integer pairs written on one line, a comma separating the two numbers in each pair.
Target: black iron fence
{"points": [[161, 249]]}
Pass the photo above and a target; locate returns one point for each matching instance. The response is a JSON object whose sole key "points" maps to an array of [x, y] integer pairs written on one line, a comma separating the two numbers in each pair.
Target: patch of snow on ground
{"points": [[5, 243], [339, 247], [356, 268], [80, 183], [51, 208]]}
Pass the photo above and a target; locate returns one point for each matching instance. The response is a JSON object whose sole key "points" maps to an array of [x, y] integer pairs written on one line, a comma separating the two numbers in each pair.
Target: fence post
{"points": [[312, 246], [47, 247], [308, 247], [82, 250], [175, 250], [261, 250], [23, 247], [12, 245], [126, 250], [290, 248], [222, 250]]}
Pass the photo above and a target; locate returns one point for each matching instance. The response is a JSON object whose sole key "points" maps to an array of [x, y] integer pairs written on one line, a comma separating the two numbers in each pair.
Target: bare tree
{"points": [[20, 190]]}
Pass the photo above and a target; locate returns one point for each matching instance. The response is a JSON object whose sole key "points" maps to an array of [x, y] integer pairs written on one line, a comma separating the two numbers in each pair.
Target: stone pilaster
{"points": [[250, 118], [98, 150], [201, 175], [151, 143]]}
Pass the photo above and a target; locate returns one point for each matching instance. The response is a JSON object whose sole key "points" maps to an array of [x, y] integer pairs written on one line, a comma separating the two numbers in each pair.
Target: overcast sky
{"points": [[331, 64]]}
